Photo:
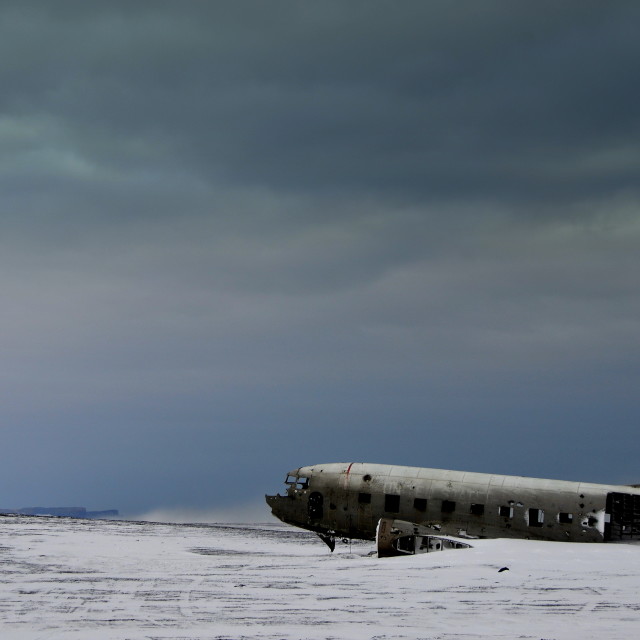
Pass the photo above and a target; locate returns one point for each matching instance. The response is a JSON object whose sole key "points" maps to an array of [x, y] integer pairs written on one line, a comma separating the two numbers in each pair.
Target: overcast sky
{"points": [[241, 237]]}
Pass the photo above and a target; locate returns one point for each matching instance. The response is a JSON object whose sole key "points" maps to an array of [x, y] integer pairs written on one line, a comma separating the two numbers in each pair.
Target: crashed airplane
{"points": [[351, 500]]}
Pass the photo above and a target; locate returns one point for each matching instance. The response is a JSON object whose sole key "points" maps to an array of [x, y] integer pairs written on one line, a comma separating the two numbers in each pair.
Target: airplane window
{"points": [[448, 506], [420, 504], [300, 483], [477, 509], [391, 503], [505, 512], [364, 498], [565, 518], [536, 517]]}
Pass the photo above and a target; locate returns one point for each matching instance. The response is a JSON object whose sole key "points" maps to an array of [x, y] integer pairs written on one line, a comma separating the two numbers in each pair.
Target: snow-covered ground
{"points": [[77, 579]]}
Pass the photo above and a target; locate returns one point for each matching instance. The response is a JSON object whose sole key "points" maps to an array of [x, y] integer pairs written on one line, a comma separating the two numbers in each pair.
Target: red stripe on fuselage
{"points": [[346, 477]]}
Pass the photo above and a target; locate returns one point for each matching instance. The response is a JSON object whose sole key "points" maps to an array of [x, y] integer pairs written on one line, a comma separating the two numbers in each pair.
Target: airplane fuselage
{"points": [[348, 499]]}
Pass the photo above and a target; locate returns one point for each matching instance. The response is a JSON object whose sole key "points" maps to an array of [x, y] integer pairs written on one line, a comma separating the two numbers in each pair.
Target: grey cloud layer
{"points": [[501, 101]]}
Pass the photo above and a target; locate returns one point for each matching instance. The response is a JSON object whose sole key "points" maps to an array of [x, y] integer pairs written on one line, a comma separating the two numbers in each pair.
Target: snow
{"points": [[74, 579]]}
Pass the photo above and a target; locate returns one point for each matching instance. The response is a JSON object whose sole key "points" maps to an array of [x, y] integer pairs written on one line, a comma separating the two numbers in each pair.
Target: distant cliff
{"points": [[66, 512]]}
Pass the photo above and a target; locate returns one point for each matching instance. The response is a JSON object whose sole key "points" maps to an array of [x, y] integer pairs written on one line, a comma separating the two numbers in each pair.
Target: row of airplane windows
{"points": [[536, 516]]}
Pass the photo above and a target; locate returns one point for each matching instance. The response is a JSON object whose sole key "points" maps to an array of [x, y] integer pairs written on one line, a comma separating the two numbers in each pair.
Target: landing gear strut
{"points": [[329, 539]]}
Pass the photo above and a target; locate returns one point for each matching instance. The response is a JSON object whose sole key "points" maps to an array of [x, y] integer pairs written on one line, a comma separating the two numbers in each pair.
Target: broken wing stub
{"points": [[399, 538]]}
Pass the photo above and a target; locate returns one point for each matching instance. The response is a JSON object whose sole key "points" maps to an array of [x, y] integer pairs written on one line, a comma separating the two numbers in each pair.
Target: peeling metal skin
{"points": [[348, 499]]}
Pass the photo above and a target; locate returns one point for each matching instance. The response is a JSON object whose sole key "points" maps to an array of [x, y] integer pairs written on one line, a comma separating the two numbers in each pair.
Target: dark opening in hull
{"points": [[623, 510]]}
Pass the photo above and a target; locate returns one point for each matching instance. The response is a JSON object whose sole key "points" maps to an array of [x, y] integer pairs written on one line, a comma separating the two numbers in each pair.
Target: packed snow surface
{"points": [[82, 579]]}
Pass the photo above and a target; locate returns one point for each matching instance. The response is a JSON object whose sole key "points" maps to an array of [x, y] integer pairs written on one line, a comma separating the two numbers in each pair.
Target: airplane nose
{"points": [[283, 507], [272, 501]]}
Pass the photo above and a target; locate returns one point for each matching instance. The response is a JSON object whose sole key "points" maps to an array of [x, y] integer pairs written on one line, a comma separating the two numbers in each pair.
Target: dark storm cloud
{"points": [[494, 99], [253, 235]]}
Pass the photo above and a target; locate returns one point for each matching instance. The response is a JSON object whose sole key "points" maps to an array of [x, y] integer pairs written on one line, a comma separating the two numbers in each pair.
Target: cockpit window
{"points": [[296, 482]]}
